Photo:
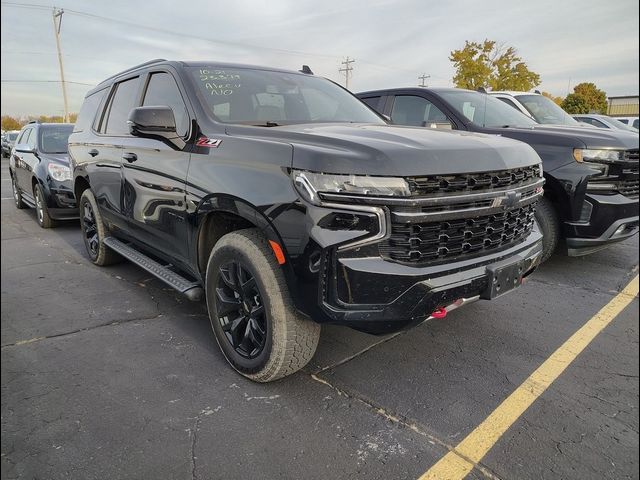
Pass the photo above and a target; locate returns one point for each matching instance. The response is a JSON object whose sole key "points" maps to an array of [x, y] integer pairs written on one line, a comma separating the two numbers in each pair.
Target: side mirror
{"points": [[24, 148], [152, 122]]}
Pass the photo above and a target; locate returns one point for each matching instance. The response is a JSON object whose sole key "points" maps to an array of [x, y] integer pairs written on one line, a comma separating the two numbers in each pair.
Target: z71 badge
{"points": [[208, 142]]}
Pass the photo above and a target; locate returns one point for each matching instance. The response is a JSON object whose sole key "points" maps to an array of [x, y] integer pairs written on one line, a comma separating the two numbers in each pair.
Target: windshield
{"points": [[546, 111], [485, 110], [12, 136], [54, 138], [622, 126], [267, 98]]}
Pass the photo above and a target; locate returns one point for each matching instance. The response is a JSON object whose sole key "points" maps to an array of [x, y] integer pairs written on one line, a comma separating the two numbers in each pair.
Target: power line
{"points": [[197, 37], [347, 70]]}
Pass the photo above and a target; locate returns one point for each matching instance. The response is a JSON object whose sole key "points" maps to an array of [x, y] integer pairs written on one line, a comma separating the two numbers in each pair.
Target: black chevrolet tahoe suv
{"points": [[591, 189], [287, 203]]}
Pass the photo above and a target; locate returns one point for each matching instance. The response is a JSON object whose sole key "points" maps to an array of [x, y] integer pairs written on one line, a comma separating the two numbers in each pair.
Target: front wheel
{"points": [[255, 324], [42, 212], [547, 219]]}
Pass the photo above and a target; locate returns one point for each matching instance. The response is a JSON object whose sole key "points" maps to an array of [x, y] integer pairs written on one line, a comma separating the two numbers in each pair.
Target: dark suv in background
{"points": [[40, 173], [591, 189], [282, 198]]}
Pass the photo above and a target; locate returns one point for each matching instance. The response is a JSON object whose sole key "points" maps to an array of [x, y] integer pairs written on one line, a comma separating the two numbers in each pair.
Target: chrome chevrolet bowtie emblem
{"points": [[510, 199]]}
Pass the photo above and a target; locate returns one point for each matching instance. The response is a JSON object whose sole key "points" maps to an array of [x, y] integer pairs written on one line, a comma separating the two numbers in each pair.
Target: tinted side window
{"points": [[636, 122], [163, 91], [373, 102], [417, 111], [88, 111], [122, 101]]}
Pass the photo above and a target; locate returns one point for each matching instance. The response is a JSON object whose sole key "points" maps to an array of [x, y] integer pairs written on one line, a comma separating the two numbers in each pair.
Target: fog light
{"points": [[348, 221], [619, 230], [585, 214]]}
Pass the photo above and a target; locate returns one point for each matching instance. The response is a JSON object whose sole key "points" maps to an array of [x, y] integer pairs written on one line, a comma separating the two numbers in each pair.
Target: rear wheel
{"points": [[550, 227], [42, 212], [17, 195], [94, 231], [255, 324]]}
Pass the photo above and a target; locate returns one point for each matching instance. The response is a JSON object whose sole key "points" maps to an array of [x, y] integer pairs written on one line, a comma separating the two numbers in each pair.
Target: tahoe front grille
{"points": [[428, 242], [472, 182]]}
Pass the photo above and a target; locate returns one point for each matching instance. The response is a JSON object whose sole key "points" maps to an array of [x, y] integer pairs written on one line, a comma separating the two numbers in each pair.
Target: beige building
{"points": [[624, 106]]}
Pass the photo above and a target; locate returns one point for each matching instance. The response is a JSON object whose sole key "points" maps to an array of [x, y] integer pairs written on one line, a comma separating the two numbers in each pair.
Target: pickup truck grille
{"points": [[429, 242], [472, 182]]}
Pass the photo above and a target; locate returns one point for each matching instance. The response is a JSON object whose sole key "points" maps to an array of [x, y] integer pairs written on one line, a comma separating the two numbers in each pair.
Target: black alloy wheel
{"points": [[90, 229], [240, 310]]}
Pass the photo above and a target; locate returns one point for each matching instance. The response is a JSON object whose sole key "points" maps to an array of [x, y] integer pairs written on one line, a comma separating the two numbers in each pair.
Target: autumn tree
{"points": [[10, 123], [594, 98], [557, 100], [489, 64], [574, 104]]}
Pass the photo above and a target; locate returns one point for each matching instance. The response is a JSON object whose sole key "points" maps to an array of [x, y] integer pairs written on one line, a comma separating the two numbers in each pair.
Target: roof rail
{"points": [[33, 121], [150, 62]]}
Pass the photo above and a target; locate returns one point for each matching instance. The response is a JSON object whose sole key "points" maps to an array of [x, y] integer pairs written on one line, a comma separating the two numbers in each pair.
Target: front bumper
{"points": [[61, 201], [402, 296], [613, 218]]}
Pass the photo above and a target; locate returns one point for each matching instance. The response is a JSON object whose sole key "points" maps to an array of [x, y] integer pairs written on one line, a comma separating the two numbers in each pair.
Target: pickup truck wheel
{"points": [[255, 324], [17, 195], [94, 231], [42, 212], [550, 227]]}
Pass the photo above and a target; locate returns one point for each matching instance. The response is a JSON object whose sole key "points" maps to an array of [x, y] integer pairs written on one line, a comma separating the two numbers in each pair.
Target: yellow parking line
{"points": [[457, 464]]}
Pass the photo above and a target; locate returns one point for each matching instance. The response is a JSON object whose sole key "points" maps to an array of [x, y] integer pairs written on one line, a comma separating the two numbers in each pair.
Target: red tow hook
{"points": [[440, 312]]}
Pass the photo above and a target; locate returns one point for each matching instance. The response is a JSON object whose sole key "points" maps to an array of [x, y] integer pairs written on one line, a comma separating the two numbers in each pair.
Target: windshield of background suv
{"points": [[485, 110], [268, 98], [546, 111], [54, 138], [620, 125]]}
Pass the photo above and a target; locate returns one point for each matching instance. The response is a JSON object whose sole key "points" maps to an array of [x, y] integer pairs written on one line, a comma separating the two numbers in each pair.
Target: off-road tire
{"points": [[291, 338]]}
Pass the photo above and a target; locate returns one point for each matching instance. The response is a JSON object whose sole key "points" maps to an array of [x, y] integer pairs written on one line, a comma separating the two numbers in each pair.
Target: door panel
{"points": [[153, 195]]}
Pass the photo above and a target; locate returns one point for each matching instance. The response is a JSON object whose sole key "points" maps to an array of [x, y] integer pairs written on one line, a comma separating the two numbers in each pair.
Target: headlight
{"points": [[587, 154], [59, 172], [309, 184]]}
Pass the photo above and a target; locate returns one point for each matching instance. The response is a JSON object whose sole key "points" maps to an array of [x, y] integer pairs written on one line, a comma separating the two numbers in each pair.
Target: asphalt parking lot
{"points": [[108, 374]]}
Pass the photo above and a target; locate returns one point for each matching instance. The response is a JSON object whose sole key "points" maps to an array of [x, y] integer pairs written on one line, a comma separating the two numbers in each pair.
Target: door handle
{"points": [[93, 152], [130, 157]]}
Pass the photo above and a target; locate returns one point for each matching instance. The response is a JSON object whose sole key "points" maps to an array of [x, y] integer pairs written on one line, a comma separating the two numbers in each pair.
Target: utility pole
{"points": [[57, 23], [347, 70], [423, 79]]}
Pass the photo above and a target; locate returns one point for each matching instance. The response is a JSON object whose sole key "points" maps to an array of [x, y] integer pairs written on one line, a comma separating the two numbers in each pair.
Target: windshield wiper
{"points": [[267, 124]]}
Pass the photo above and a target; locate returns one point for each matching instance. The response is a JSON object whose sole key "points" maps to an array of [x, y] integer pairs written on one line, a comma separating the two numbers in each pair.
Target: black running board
{"points": [[193, 291]]}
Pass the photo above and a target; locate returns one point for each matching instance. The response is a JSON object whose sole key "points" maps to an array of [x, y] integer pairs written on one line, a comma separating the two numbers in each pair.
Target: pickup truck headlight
{"points": [[597, 155], [59, 172], [309, 184]]}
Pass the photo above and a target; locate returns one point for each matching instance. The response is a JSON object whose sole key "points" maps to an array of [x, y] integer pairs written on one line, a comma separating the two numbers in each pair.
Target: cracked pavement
{"points": [[106, 373]]}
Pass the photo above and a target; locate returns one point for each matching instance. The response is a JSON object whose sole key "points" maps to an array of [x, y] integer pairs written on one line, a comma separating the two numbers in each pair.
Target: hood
{"points": [[367, 149], [62, 158], [574, 137]]}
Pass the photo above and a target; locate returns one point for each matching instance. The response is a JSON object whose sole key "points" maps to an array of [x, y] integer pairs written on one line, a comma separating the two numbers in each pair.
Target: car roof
{"points": [[181, 64], [415, 89], [513, 93]]}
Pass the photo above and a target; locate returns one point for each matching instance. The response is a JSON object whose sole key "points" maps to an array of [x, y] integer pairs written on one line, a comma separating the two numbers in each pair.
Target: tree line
{"points": [[496, 66], [16, 123]]}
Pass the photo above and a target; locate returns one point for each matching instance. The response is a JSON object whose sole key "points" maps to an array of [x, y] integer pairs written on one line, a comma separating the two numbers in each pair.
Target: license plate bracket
{"points": [[503, 278]]}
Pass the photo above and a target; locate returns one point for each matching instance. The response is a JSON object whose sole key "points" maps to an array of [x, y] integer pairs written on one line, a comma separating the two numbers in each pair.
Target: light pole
{"points": [[57, 23]]}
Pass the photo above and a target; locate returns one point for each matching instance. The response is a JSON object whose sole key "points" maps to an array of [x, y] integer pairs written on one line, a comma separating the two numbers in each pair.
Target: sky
{"points": [[392, 41]]}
